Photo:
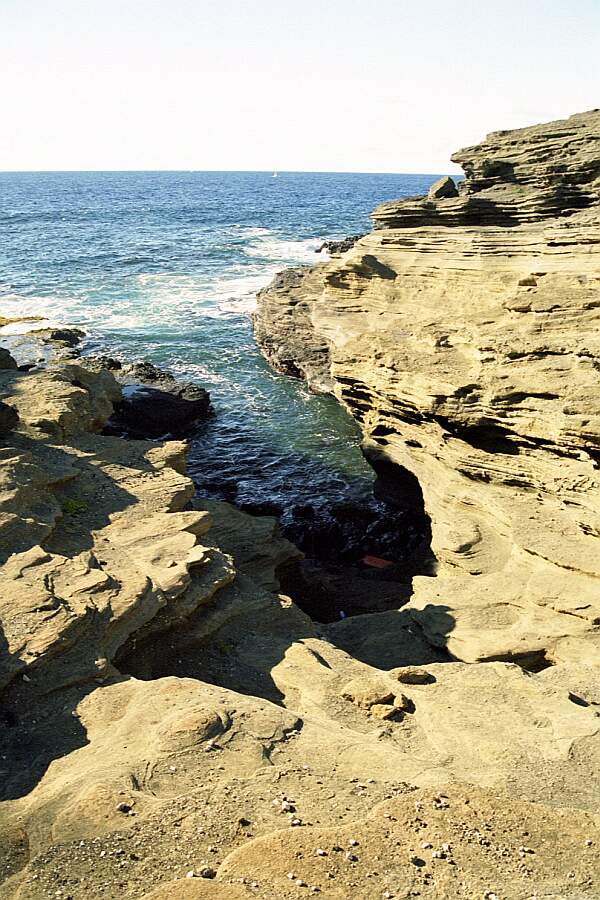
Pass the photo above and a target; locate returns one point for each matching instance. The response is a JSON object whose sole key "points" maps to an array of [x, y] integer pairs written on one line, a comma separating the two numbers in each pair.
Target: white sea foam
{"points": [[286, 251], [52, 311]]}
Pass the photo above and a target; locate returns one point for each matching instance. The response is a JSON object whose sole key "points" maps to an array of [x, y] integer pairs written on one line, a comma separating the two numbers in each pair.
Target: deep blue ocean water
{"points": [[165, 266]]}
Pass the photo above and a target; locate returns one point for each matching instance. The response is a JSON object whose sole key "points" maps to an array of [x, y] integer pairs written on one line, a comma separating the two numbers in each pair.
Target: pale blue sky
{"points": [[333, 85]]}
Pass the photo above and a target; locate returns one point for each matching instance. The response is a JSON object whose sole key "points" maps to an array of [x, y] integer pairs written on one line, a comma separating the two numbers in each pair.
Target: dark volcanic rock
{"points": [[8, 418], [154, 404], [61, 337], [146, 412], [336, 248], [6, 360]]}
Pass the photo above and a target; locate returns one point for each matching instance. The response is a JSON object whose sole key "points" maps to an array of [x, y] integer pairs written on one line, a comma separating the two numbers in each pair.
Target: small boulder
{"points": [[401, 701], [412, 675], [147, 412], [383, 711], [367, 692], [8, 418], [6, 360], [61, 337], [442, 189]]}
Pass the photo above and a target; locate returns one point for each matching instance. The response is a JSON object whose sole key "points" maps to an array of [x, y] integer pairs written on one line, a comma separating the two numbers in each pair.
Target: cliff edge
{"points": [[463, 334]]}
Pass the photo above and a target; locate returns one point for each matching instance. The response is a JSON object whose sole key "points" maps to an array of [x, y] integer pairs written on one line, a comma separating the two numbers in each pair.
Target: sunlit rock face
{"points": [[463, 334]]}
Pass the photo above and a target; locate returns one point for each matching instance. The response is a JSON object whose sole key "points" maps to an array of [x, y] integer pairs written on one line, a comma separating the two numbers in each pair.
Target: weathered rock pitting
{"points": [[463, 334]]}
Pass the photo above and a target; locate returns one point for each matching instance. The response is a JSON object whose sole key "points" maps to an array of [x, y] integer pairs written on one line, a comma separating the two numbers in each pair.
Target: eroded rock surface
{"points": [[173, 726], [463, 334]]}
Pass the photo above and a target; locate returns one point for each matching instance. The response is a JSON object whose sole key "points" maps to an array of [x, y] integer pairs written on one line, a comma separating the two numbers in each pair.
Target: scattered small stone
{"points": [[417, 861], [124, 807], [190, 874], [207, 872], [291, 876], [426, 845], [588, 842], [320, 852], [413, 675], [296, 822], [351, 857], [353, 842], [301, 883]]}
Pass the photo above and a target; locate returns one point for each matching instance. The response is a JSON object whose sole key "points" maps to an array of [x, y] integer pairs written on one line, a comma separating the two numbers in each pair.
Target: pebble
{"points": [[353, 843], [589, 842], [123, 807], [296, 822], [291, 876], [207, 872], [426, 845], [320, 852], [351, 857], [388, 895], [301, 883]]}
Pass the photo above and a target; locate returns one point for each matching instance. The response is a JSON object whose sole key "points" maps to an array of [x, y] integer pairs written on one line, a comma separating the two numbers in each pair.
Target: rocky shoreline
{"points": [[175, 726]]}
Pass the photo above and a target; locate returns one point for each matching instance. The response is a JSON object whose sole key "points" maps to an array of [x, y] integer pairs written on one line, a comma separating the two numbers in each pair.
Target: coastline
{"points": [[175, 725]]}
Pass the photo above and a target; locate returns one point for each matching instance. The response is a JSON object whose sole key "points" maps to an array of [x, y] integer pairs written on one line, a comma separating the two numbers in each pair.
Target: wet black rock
{"points": [[154, 403], [60, 337], [336, 248], [146, 412]]}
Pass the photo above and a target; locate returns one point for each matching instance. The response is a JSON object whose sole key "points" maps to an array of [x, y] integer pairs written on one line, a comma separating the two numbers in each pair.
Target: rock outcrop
{"points": [[173, 726], [463, 334]]}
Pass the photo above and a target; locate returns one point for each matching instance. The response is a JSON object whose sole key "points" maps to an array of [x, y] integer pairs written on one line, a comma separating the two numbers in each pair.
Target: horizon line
{"points": [[219, 171]]}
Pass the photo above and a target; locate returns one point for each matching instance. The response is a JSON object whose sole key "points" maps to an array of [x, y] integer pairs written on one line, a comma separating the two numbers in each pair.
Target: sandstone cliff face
{"points": [[463, 334]]}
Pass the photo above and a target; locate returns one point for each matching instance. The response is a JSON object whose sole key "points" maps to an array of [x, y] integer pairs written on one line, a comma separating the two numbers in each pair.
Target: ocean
{"points": [[165, 266]]}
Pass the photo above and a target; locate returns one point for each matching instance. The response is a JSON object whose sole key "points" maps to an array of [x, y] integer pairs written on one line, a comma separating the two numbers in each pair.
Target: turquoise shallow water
{"points": [[165, 266]]}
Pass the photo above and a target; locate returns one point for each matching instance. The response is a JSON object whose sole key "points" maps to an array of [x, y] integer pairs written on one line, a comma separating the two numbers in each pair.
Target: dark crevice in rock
{"points": [[530, 661], [489, 438], [364, 560]]}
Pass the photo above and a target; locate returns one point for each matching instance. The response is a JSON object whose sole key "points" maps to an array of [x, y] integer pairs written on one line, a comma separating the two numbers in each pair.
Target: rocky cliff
{"points": [[173, 726], [463, 334]]}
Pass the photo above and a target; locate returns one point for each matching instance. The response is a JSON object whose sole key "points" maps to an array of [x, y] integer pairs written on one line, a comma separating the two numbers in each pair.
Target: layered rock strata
{"points": [[174, 727], [463, 335]]}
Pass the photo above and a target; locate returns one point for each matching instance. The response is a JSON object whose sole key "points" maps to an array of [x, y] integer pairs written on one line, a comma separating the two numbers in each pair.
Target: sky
{"points": [[309, 85]]}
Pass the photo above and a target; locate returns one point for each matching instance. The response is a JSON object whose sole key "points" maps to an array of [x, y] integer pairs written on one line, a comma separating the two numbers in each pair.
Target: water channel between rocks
{"points": [[165, 267]]}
